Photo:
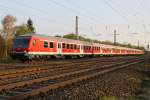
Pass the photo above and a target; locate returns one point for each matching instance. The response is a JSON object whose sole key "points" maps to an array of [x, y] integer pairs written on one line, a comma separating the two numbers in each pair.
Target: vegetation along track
{"points": [[23, 89]]}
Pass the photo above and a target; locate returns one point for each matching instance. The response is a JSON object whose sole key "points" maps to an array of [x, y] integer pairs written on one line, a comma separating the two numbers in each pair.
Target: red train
{"points": [[39, 46]]}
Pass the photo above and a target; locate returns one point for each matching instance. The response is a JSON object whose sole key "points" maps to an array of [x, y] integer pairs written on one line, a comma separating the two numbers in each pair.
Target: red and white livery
{"points": [[36, 46]]}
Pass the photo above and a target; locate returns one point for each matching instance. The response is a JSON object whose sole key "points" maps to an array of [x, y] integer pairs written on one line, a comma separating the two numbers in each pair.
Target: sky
{"points": [[97, 18]]}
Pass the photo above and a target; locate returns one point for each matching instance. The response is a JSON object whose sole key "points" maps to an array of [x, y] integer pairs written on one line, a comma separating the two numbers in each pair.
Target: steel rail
{"points": [[23, 83], [67, 82]]}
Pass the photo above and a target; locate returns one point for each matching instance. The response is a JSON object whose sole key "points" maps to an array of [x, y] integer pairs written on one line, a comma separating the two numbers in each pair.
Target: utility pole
{"points": [[76, 28], [147, 46], [138, 43], [115, 37]]}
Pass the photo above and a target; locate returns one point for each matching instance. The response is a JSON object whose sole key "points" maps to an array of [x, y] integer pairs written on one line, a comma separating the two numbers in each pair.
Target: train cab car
{"points": [[34, 46], [21, 47]]}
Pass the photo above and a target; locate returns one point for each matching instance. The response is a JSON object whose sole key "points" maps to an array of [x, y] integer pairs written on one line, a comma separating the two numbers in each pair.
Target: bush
{"points": [[7, 60]]}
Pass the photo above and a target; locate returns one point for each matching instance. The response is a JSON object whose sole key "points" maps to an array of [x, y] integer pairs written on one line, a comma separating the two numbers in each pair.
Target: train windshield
{"points": [[21, 43]]}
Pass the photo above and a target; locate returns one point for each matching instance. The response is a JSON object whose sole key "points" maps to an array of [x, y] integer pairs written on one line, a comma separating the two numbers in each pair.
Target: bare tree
{"points": [[8, 26], [8, 31]]}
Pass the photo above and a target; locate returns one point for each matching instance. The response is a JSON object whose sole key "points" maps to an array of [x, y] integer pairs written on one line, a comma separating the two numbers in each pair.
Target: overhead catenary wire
{"points": [[87, 12], [35, 14], [116, 11], [126, 13], [45, 13], [74, 11], [109, 3]]}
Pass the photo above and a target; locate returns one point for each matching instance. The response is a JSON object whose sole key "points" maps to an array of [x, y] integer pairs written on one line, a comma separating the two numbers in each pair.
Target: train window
{"points": [[34, 42], [75, 46], [71, 46], [67, 46], [21, 42], [90, 48], [84, 47], [63, 45], [51, 45], [45, 44]]}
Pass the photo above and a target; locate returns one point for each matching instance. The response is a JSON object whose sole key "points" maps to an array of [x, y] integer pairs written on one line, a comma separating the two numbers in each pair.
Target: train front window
{"points": [[21, 43]]}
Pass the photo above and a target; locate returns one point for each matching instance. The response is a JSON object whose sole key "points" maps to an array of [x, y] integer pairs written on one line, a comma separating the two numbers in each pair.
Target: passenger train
{"points": [[32, 46]]}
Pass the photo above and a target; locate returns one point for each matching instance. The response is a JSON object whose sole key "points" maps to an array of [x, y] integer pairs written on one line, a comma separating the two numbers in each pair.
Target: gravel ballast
{"points": [[122, 84]]}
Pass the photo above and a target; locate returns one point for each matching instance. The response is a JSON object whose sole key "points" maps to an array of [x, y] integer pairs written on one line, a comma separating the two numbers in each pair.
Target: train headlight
{"points": [[25, 51]]}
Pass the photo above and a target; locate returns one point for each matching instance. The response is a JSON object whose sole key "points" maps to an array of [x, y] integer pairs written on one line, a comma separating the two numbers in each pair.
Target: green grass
{"points": [[7, 60], [143, 93]]}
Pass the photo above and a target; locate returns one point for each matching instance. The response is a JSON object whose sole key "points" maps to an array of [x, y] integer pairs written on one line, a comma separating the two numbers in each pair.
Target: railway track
{"points": [[13, 76], [23, 71], [48, 71], [23, 89], [19, 66]]}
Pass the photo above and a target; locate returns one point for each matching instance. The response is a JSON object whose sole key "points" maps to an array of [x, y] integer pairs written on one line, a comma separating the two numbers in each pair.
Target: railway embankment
{"points": [[131, 83], [115, 78]]}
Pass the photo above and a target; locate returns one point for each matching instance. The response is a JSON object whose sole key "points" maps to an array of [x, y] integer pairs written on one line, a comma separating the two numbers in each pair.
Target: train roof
{"points": [[60, 39]]}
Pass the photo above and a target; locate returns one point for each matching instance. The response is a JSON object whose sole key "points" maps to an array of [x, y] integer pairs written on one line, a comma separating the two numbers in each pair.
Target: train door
{"points": [[81, 49], [59, 48], [111, 51]]}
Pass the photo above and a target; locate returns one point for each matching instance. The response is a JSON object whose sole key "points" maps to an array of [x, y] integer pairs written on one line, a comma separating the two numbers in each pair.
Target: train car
{"points": [[31, 46]]}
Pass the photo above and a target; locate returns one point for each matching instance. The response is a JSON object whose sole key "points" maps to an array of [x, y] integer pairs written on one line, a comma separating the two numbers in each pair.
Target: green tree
{"points": [[58, 36], [22, 29], [70, 36], [30, 26], [25, 28], [74, 36]]}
